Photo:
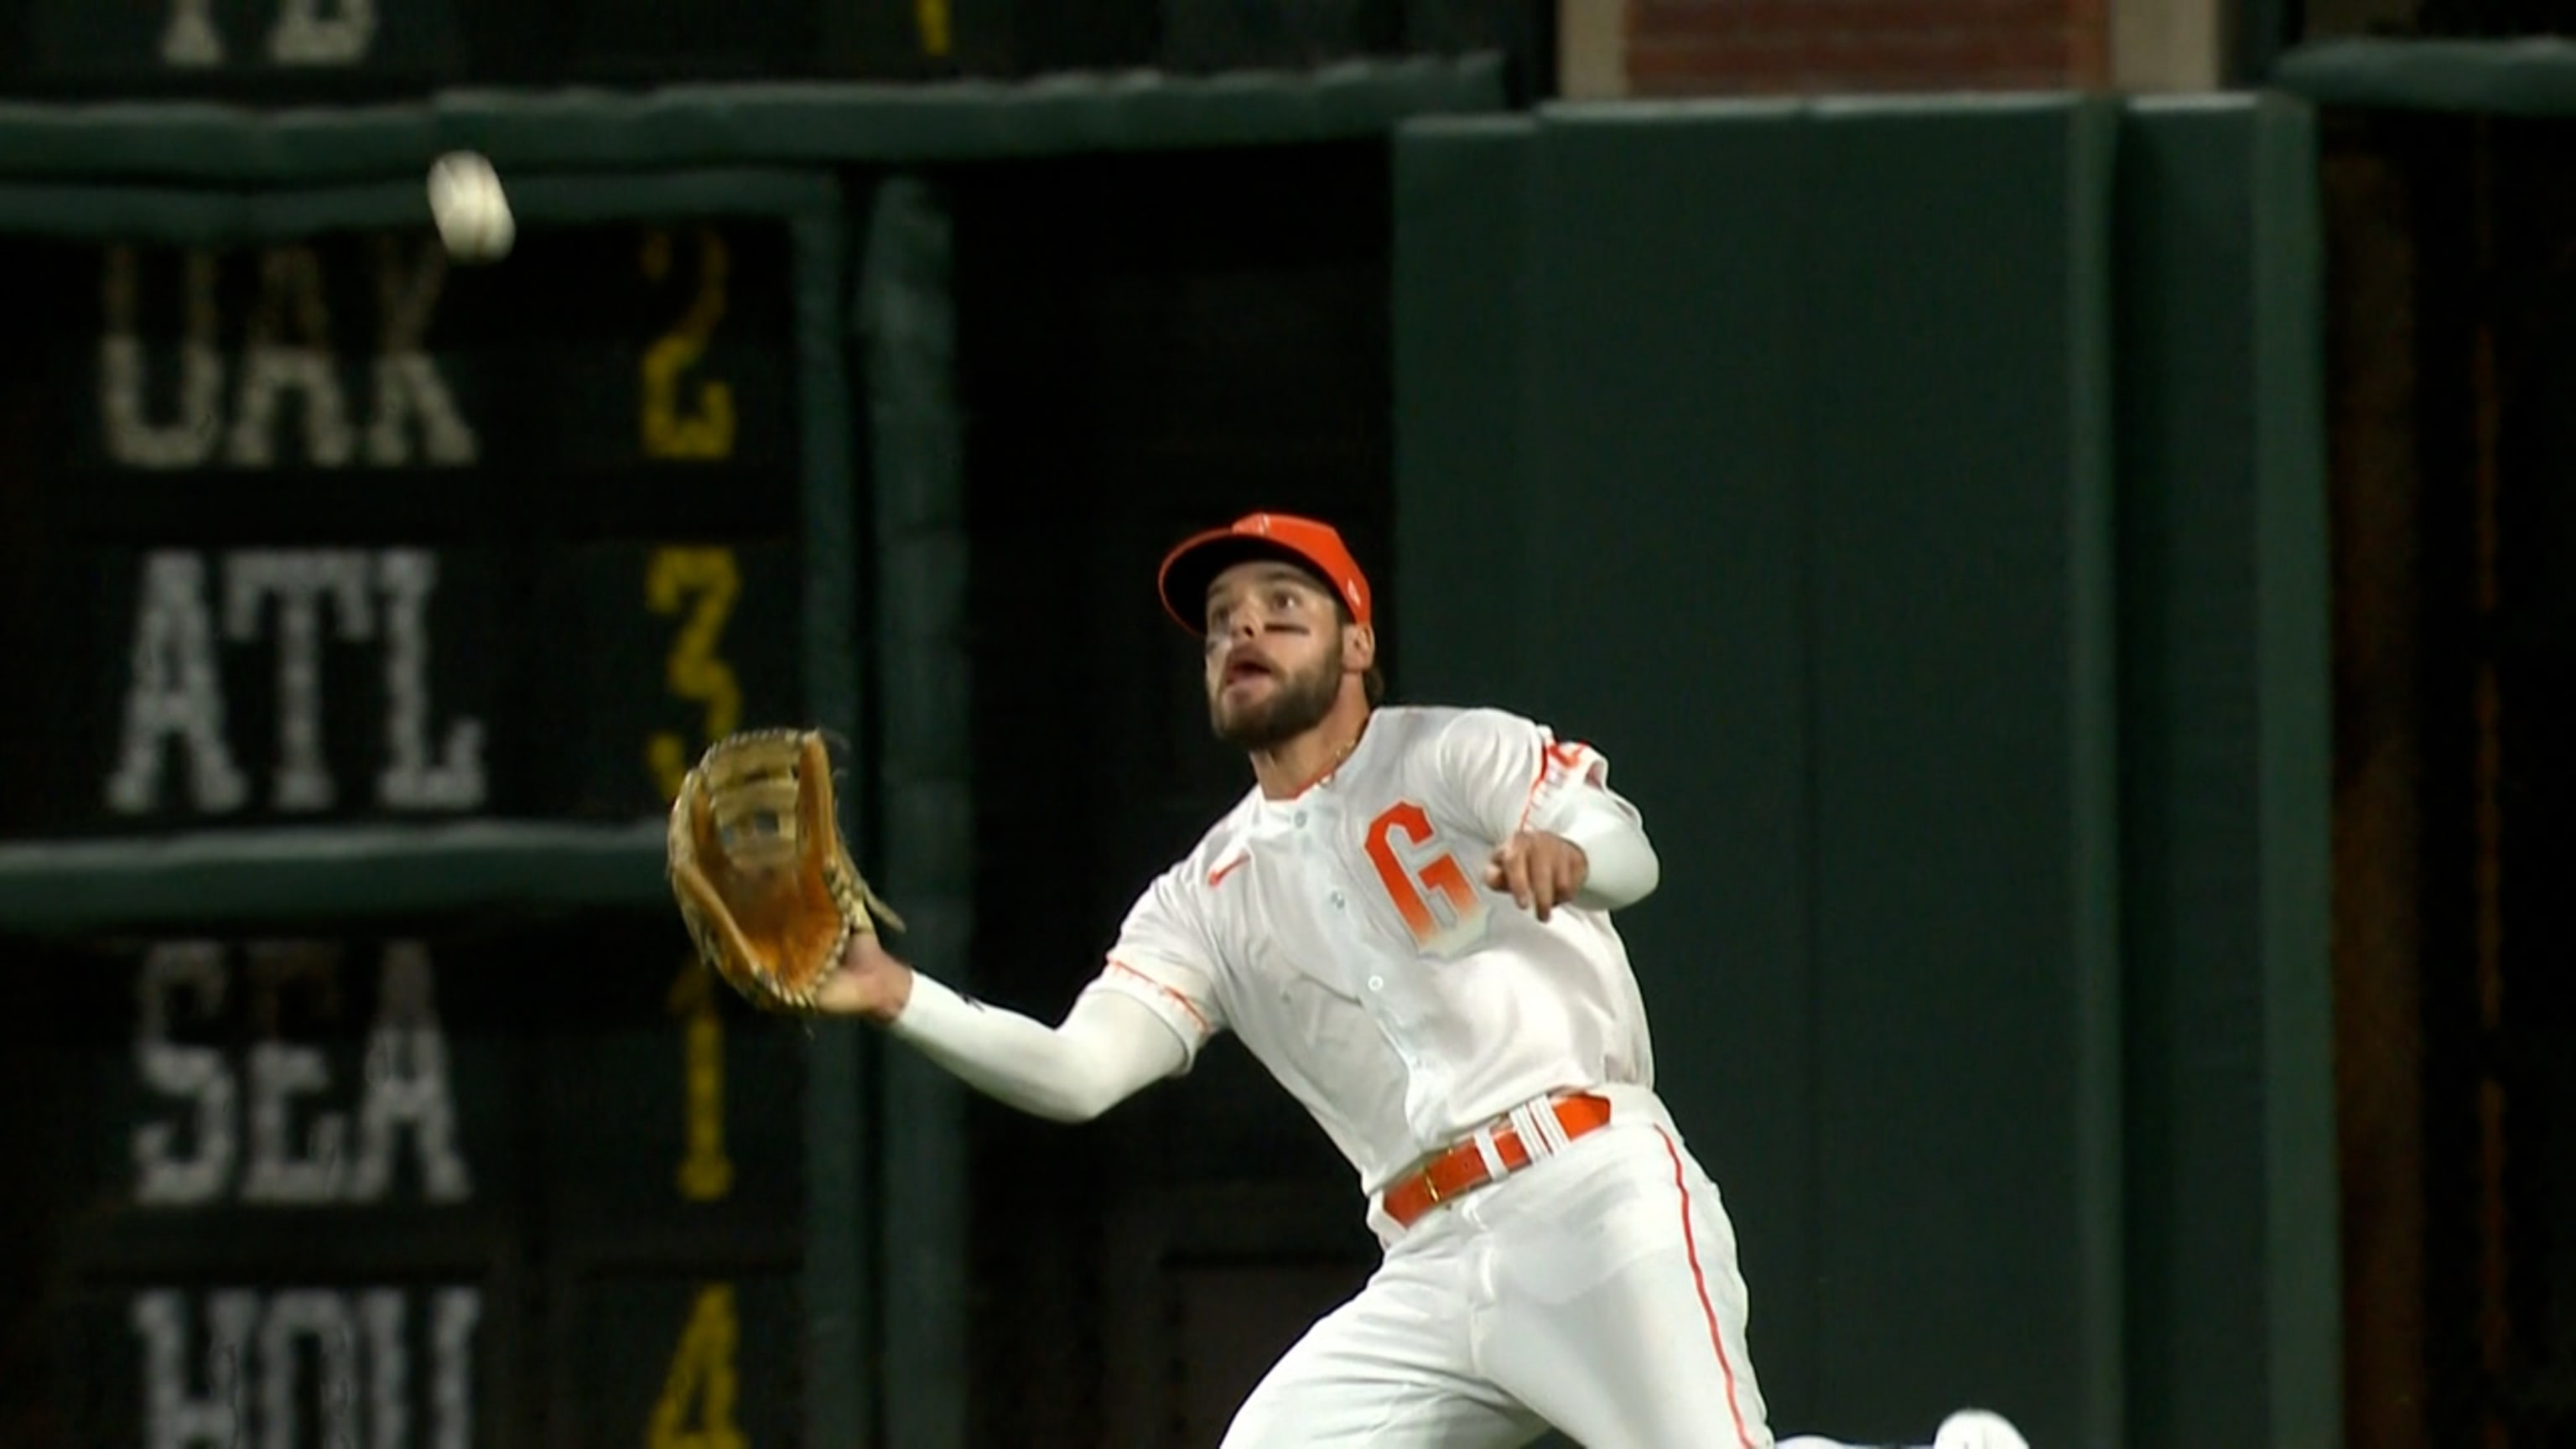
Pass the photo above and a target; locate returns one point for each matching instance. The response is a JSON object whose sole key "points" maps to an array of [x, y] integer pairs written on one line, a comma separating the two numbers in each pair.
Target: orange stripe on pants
{"points": [[1699, 1280]]}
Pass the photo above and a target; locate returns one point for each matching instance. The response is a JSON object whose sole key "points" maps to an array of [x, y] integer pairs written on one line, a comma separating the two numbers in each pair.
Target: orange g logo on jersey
{"points": [[1451, 913]]}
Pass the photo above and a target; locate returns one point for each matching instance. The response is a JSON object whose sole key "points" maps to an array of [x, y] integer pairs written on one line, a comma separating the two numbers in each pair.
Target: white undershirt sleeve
{"points": [[1622, 866], [1507, 773], [1108, 1048]]}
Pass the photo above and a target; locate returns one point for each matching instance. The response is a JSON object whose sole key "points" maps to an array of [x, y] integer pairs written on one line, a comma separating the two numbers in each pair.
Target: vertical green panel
{"points": [[1664, 439], [924, 836], [1965, 889], [1462, 508], [838, 1402], [2226, 736], [1809, 528], [1806, 518], [2305, 1274]]}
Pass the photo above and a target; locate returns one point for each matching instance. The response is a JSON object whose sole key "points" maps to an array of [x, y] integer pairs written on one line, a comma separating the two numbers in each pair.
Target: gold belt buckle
{"points": [[1432, 1186]]}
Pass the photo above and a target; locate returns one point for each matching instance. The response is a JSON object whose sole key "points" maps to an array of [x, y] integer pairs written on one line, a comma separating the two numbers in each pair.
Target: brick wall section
{"points": [[1812, 47]]}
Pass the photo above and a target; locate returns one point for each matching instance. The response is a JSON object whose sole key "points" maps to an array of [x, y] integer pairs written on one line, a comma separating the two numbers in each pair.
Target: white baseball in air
{"points": [[466, 202]]}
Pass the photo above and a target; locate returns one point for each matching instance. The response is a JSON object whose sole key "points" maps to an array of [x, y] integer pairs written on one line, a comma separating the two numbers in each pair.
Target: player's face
{"points": [[1274, 654]]}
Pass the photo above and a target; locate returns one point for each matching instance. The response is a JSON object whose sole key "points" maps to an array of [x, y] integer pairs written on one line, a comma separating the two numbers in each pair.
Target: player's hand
{"points": [[1541, 871], [870, 983]]}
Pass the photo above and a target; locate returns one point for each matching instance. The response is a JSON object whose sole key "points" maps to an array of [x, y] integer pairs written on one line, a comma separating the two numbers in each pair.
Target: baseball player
{"points": [[1408, 921]]}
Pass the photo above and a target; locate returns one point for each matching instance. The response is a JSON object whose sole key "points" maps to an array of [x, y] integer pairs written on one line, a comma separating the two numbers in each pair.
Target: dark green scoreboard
{"points": [[274, 51], [336, 51], [439, 1188], [328, 529], [360, 610]]}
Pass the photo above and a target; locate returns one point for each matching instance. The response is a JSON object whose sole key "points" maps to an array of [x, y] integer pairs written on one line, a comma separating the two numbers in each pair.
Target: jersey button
{"points": [[1377, 983], [1301, 817], [1337, 900]]}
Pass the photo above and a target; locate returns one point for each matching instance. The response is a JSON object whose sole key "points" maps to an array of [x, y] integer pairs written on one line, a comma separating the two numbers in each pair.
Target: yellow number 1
{"points": [[706, 432], [706, 1173], [701, 1379], [694, 671]]}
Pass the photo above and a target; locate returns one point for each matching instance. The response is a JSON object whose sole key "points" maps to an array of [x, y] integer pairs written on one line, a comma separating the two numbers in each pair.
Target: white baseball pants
{"points": [[1595, 1291]]}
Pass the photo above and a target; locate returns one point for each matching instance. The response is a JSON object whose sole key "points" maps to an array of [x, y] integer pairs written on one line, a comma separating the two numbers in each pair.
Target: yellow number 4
{"points": [[696, 1408]]}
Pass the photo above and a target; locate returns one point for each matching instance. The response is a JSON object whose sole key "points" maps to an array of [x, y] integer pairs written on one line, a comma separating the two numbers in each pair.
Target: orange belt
{"points": [[1461, 1169]]}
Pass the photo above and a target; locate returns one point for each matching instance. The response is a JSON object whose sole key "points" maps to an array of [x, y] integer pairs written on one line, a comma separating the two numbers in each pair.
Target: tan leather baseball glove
{"points": [[761, 871]]}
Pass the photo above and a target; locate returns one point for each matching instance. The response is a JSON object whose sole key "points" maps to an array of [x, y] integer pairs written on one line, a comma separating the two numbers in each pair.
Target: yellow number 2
{"points": [[706, 431], [696, 1408], [694, 672]]}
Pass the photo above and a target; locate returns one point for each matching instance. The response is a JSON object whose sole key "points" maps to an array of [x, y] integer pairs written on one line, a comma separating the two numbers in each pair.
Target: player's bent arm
{"points": [[1108, 1048], [1508, 774], [1621, 865]]}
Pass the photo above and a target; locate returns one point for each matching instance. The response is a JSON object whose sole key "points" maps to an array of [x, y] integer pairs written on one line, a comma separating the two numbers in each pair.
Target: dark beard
{"points": [[1297, 703]]}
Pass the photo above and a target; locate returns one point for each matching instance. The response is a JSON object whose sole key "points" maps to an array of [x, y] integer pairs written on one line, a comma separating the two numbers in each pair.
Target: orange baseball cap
{"points": [[1189, 568]]}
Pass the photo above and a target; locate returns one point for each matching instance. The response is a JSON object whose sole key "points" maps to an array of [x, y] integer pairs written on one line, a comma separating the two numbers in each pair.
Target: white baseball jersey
{"points": [[1347, 937]]}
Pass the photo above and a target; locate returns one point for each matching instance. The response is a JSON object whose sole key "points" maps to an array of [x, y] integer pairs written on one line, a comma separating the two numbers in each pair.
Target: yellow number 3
{"points": [[701, 1377], [694, 673]]}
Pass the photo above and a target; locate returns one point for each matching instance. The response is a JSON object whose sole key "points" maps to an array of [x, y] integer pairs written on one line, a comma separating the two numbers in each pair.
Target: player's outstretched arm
{"points": [[1107, 1049]]}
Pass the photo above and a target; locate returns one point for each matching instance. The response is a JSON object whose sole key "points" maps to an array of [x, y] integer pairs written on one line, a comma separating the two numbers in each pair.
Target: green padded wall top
{"points": [[2532, 77], [255, 875], [739, 124]]}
